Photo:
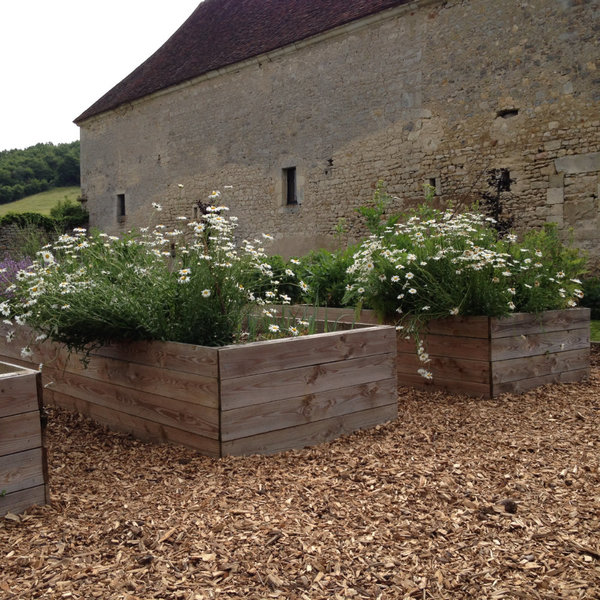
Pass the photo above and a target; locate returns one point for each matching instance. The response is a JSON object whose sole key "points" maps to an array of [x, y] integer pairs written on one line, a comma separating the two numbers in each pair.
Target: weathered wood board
{"points": [[256, 397], [483, 356], [23, 471]]}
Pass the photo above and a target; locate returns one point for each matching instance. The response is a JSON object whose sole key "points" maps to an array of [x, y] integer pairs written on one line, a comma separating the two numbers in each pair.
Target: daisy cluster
{"points": [[191, 283], [439, 264]]}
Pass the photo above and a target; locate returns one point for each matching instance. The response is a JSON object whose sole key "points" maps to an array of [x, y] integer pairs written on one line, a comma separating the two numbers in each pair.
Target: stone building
{"points": [[302, 106]]}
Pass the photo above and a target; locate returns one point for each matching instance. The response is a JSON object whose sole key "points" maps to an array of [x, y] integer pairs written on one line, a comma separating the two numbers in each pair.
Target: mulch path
{"points": [[457, 498]]}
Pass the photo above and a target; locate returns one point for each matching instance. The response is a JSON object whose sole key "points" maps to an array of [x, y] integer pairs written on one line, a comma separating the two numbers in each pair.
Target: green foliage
{"points": [[29, 219], [38, 168], [591, 298], [374, 214], [280, 273], [325, 274], [69, 214]]}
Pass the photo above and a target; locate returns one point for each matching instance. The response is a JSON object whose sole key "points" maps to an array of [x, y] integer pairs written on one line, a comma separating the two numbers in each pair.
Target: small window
{"points": [[121, 207], [289, 186]]}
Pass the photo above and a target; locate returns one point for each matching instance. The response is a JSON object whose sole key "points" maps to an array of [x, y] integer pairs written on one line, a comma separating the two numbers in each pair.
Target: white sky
{"points": [[57, 57]]}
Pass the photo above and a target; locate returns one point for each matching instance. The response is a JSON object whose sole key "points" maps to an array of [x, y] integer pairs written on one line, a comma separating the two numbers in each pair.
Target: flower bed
{"points": [[489, 356], [23, 476], [260, 397]]}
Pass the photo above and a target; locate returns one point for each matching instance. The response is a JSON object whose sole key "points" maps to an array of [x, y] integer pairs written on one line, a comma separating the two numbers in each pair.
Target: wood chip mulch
{"points": [[457, 498]]}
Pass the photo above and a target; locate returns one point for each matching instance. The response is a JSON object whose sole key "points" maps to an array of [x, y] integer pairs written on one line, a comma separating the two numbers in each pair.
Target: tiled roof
{"points": [[224, 32]]}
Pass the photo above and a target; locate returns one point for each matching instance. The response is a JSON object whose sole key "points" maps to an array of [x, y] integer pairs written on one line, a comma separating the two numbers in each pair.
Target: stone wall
{"points": [[433, 91]]}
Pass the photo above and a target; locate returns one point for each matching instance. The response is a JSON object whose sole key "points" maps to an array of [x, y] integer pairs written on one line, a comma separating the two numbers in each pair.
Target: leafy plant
{"points": [[375, 213], [69, 214], [326, 274]]}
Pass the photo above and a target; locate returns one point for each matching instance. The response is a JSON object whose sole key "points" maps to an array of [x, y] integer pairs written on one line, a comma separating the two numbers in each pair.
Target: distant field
{"points": [[595, 333], [42, 202]]}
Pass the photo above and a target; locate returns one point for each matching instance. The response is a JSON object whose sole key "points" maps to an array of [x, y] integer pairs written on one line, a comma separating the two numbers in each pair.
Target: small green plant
{"points": [[326, 274], [375, 213], [3, 493]]}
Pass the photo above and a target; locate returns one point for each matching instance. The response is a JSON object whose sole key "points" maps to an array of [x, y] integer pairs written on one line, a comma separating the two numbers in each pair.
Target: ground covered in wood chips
{"points": [[458, 498]]}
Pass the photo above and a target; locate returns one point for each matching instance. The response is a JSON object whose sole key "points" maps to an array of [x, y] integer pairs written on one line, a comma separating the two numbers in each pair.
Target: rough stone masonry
{"points": [[427, 92]]}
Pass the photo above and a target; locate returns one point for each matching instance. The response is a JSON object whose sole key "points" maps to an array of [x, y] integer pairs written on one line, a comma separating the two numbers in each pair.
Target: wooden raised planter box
{"points": [[23, 473], [487, 356], [260, 397]]}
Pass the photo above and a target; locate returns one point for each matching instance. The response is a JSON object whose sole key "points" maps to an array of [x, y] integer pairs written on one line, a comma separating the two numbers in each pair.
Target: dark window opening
{"points": [[121, 207], [289, 182], [506, 113], [434, 182]]}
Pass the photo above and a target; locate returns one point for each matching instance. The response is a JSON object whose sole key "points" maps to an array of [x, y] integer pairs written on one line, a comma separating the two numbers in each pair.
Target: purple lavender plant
{"points": [[8, 273]]}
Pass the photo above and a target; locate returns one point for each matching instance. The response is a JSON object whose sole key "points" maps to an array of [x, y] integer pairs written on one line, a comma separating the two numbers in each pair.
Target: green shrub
{"points": [[591, 298], [68, 214], [326, 275]]}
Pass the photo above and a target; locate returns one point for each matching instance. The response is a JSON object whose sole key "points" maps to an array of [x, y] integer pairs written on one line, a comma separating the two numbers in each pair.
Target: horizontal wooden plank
{"points": [[18, 393], [190, 358], [20, 432], [328, 314], [446, 367], [17, 360], [290, 383], [25, 337], [10, 370], [187, 387], [531, 344], [537, 366], [143, 429], [550, 320], [461, 326], [21, 470], [192, 417], [255, 419], [310, 433], [17, 502], [288, 353], [448, 345], [524, 385], [441, 384], [174, 356]]}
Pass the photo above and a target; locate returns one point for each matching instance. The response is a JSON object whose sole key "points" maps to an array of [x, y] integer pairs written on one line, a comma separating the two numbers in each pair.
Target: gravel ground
{"points": [[457, 498]]}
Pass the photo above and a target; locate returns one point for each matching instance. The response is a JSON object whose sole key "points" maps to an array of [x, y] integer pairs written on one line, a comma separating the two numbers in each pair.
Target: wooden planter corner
{"points": [[488, 356], [23, 472], [260, 397]]}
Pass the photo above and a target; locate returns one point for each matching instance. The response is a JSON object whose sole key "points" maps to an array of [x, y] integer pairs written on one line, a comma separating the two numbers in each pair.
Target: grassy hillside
{"points": [[42, 202]]}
